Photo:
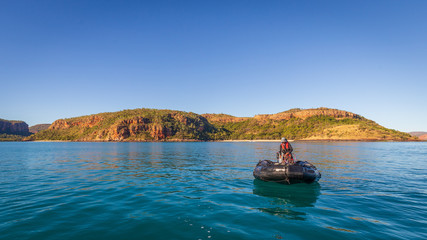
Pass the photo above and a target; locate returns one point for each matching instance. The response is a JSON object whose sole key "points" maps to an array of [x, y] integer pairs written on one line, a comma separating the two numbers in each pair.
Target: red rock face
{"points": [[180, 118], [423, 137], [13, 127], [303, 114], [84, 122], [121, 130], [306, 113], [132, 127], [59, 124], [156, 132]]}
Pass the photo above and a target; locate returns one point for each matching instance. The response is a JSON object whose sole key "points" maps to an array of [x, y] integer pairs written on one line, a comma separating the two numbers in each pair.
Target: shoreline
{"points": [[251, 141], [234, 141]]}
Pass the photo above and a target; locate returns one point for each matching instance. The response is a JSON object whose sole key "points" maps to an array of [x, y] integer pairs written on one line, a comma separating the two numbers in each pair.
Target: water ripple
{"points": [[207, 191]]}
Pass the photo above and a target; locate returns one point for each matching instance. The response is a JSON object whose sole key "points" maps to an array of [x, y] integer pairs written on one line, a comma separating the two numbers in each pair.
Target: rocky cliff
{"points": [[286, 115], [307, 113], [131, 125], [14, 127]]}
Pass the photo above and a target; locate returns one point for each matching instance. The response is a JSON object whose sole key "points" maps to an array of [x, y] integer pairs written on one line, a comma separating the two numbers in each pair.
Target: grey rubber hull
{"points": [[299, 172]]}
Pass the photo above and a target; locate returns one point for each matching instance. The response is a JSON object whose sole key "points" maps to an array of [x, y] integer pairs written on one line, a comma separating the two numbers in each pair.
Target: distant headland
{"points": [[171, 125]]}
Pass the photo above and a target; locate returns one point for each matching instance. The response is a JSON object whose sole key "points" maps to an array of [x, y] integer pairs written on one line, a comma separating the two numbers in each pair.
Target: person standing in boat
{"points": [[285, 153]]}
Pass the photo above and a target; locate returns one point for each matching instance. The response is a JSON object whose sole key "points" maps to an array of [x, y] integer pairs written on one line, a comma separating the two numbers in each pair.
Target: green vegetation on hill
{"points": [[11, 121], [38, 128], [314, 128], [132, 125], [4, 137], [168, 125]]}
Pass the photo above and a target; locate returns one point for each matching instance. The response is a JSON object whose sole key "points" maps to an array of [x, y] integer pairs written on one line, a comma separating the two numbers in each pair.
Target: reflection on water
{"points": [[207, 191], [286, 199]]}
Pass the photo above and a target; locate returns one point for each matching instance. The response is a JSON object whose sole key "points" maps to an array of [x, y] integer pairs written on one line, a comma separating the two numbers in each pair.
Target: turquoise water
{"points": [[206, 190]]}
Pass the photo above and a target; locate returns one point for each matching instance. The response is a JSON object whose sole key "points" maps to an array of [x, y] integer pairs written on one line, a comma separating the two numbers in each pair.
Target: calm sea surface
{"points": [[206, 191]]}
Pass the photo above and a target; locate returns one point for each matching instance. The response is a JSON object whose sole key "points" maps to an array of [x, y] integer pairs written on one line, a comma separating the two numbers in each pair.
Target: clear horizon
{"points": [[243, 58]]}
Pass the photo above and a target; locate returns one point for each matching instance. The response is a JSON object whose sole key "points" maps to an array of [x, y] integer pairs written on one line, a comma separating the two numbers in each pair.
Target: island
{"points": [[171, 125]]}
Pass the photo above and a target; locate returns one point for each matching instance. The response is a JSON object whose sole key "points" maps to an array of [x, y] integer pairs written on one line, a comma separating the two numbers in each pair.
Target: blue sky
{"points": [[61, 59]]}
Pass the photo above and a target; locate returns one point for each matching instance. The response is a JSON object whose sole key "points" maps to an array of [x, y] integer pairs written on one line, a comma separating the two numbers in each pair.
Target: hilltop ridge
{"points": [[307, 124], [420, 135], [171, 125], [306, 113]]}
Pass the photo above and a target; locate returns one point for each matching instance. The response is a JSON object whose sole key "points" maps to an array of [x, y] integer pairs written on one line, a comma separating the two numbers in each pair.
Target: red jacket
{"points": [[286, 147]]}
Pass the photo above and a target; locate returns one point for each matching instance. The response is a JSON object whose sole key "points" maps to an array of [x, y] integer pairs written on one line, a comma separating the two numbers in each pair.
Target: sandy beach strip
{"points": [[253, 140]]}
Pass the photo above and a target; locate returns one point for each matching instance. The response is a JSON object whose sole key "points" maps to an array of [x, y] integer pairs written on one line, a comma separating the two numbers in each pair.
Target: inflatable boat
{"points": [[298, 172]]}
